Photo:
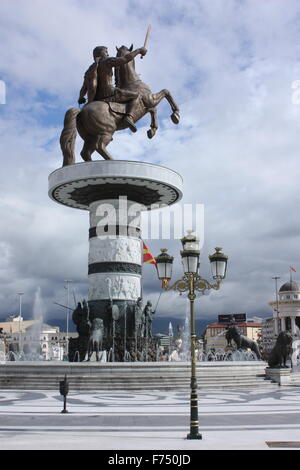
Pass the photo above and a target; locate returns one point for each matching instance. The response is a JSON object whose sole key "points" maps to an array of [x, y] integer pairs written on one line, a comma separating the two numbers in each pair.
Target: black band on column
{"points": [[115, 267], [117, 230]]}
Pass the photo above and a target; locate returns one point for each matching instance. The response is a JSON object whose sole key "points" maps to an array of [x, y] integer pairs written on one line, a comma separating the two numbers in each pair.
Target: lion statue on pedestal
{"points": [[281, 351]]}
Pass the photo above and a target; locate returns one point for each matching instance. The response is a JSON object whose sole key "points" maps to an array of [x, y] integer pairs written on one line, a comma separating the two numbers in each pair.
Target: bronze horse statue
{"points": [[241, 341], [97, 121], [96, 337]]}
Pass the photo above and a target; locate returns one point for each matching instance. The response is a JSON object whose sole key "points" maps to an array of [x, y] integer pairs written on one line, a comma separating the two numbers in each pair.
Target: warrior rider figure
{"points": [[97, 84]]}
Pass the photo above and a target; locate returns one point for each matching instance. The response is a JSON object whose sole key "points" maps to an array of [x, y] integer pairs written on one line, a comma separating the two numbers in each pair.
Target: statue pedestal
{"points": [[115, 193], [282, 376]]}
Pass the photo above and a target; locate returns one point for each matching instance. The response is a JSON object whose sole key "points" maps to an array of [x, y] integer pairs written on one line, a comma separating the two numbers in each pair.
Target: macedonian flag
{"points": [[147, 256]]}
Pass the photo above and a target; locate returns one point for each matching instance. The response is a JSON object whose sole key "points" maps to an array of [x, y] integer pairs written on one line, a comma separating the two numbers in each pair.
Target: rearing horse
{"points": [[97, 121]]}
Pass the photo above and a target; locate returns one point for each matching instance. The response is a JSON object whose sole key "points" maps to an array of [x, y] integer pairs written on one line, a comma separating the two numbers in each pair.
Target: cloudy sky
{"points": [[231, 65]]}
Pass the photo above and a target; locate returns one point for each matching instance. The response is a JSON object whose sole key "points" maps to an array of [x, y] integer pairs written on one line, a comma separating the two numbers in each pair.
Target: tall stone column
{"points": [[115, 260], [115, 193], [276, 326], [293, 326]]}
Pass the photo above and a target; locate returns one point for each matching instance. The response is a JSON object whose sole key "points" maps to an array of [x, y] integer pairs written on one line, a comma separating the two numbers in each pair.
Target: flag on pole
{"points": [[291, 268], [147, 256]]}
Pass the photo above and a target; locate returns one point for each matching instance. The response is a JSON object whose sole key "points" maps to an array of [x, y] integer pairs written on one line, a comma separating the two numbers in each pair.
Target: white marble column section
{"points": [[282, 324], [276, 326], [293, 326], [115, 250]]}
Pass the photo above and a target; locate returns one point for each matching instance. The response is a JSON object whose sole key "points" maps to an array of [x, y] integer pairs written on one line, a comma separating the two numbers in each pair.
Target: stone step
{"points": [[117, 387], [131, 376], [295, 378], [120, 379], [130, 385]]}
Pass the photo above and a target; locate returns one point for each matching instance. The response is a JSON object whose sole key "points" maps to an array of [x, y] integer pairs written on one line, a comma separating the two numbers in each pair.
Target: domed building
{"points": [[286, 308]]}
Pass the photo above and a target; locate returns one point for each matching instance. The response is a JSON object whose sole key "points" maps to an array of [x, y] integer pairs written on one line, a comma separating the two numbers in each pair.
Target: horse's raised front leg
{"points": [[156, 99], [154, 123]]}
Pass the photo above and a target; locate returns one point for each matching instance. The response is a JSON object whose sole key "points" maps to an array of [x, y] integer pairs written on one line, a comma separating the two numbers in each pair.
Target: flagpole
{"points": [[142, 260], [291, 268]]}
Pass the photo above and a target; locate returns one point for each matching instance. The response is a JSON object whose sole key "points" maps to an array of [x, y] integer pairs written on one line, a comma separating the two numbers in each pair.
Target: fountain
{"points": [[29, 345], [217, 351], [229, 355], [185, 354], [34, 344]]}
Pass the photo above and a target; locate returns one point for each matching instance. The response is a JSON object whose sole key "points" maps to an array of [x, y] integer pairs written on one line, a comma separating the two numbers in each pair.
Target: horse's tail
{"points": [[68, 136]]}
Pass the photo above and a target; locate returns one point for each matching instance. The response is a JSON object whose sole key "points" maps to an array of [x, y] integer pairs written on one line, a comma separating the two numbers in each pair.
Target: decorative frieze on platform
{"points": [[120, 249], [122, 286]]}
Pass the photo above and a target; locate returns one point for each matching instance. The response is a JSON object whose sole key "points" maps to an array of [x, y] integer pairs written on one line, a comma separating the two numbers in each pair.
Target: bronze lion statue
{"points": [[241, 341], [281, 350]]}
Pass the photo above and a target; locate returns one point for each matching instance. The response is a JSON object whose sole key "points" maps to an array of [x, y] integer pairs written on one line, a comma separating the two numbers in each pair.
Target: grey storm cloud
{"points": [[230, 66]]}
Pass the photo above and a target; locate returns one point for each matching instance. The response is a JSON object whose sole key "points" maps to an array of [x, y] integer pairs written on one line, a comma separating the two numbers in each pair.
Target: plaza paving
{"points": [[231, 419]]}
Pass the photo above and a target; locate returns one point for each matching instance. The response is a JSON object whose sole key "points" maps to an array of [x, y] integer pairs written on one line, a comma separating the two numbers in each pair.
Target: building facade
{"points": [[214, 336], [47, 342], [267, 336], [286, 309]]}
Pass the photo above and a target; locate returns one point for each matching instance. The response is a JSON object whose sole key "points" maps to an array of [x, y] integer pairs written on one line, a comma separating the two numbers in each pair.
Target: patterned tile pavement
{"points": [[231, 419]]}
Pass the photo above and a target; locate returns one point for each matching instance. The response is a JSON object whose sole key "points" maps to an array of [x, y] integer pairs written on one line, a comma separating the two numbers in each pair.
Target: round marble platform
{"points": [[81, 184]]}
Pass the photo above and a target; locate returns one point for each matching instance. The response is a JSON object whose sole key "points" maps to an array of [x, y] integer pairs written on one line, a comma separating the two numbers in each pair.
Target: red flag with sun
{"points": [[147, 255]]}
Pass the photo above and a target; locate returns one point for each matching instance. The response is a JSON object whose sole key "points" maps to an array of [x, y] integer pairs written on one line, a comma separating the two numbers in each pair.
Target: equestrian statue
{"points": [[110, 108]]}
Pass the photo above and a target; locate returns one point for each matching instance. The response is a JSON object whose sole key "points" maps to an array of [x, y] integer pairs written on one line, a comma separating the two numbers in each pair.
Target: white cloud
{"points": [[230, 66]]}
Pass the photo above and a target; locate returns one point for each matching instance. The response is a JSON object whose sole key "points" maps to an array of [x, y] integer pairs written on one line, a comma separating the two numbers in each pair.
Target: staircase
{"points": [[295, 379], [132, 376]]}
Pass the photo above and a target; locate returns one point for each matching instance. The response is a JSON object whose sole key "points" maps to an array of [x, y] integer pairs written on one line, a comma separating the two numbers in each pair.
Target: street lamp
{"points": [[191, 282], [68, 281]]}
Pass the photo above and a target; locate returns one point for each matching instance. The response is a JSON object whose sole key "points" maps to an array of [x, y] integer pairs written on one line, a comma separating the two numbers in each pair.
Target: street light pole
{"points": [[277, 303], [194, 423], [191, 282], [68, 281]]}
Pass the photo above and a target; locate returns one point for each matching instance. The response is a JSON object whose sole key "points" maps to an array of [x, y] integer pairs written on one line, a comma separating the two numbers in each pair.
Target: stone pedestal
{"points": [[282, 376], [115, 193]]}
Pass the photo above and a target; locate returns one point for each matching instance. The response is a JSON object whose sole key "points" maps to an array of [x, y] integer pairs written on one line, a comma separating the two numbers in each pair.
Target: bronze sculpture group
{"points": [[94, 336], [110, 108]]}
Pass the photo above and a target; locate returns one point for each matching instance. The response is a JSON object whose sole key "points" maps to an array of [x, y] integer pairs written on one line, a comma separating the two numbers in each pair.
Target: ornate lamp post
{"points": [[191, 282]]}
